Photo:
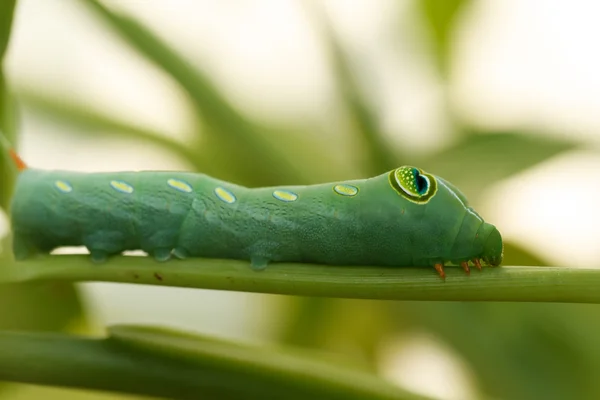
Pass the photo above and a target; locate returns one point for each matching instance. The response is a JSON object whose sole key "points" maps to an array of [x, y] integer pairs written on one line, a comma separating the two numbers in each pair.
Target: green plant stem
{"points": [[165, 363], [528, 284]]}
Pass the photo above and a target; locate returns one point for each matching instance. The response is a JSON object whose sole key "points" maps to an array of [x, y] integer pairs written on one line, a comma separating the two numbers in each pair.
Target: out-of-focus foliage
{"points": [[43, 306], [361, 114], [60, 110], [6, 104], [440, 17], [518, 351], [241, 137], [515, 351], [38, 306], [486, 155], [172, 364], [6, 18]]}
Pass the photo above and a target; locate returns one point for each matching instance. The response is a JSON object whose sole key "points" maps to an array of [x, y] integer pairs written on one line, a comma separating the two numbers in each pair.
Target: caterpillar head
{"points": [[493, 248], [453, 227]]}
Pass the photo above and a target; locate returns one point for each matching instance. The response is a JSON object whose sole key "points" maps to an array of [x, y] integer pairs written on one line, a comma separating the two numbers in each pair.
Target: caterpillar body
{"points": [[405, 217]]}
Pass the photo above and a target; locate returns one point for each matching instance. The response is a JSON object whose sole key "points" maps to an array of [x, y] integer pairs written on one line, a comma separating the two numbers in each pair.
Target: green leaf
{"points": [[165, 363], [507, 283], [440, 17], [479, 160], [242, 142]]}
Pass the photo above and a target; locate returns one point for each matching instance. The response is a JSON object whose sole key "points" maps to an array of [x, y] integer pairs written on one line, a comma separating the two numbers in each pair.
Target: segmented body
{"points": [[401, 218]]}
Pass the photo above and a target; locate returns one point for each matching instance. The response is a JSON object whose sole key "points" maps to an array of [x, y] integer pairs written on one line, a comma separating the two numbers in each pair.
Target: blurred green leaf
{"points": [[243, 145], [7, 8], [91, 121], [517, 351], [440, 17], [361, 114], [19, 391], [344, 326], [305, 319], [516, 254], [37, 306], [8, 128], [41, 306], [160, 362], [479, 160]]}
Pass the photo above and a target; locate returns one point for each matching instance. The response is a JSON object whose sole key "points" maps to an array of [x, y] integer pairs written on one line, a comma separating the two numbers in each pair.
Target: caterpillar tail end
{"points": [[19, 163]]}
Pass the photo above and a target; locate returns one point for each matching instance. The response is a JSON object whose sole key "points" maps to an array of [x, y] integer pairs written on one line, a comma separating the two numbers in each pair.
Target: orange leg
{"points": [[477, 263], [440, 270], [465, 266]]}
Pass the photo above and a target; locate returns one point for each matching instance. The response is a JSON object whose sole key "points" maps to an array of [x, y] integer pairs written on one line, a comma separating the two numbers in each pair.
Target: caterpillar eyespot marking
{"points": [[346, 190], [387, 226], [285, 195], [225, 195], [63, 186], [414, 184], [122, 187], [179, 185]]}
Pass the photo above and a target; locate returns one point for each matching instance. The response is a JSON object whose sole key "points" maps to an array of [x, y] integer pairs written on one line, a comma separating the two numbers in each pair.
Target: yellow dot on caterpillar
{"points": [[122, 187], [179, 185], [63, 186], [225, 195], [346, 190], [285, 195]]}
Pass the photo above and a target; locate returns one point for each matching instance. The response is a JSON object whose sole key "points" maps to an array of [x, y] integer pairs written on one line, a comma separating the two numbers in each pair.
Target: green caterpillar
{"points": [[405, 217]]}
